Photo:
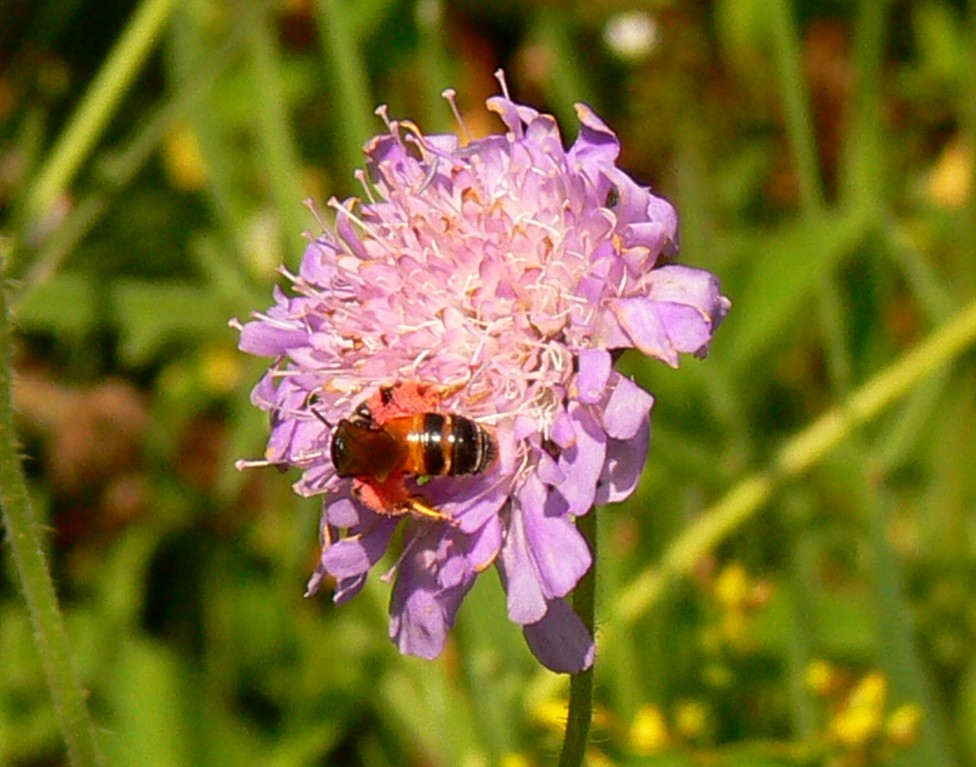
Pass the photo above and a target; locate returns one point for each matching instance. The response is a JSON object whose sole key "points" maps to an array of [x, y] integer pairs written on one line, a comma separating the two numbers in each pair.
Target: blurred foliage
{"points": [[821, 158]]}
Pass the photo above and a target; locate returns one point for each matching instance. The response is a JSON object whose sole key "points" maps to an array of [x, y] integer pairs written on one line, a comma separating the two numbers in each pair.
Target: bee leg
{"points": [[419, 507]]}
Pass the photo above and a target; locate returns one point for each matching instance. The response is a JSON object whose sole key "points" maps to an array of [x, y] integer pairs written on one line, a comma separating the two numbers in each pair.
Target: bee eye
{"points": [[613, 197], [339, 450]]}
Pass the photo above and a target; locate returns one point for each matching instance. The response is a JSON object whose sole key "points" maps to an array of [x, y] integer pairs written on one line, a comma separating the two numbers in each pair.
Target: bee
{"points": [[421, 444], [379, 453]]}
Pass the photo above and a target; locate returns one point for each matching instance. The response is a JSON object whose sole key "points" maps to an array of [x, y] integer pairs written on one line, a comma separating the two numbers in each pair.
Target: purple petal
{"points": [[594, 372], [626, 409], [317, 579], [693, 288], [633, 200], [422, 611], [470, 501], [507, 449], [641, 319], [625, 462], [476, 513], [454, 567], [557, 548], [420, 619], [347, 588], [508, 111], [608, 331], [582, 463], [487, 544], [547, 469], [526, 602], [318, 260], [264, 395], [562, 431], [682, 310], [524, 427], [356, 554], [343, 513], [268, 337], [560, 640], [659, 209], [596, 145], [656, 236]]}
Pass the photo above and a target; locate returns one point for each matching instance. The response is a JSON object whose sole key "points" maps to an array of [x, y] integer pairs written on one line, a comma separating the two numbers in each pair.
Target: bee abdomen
{"points": [[471, 447], [437, 455], [453, 444]]}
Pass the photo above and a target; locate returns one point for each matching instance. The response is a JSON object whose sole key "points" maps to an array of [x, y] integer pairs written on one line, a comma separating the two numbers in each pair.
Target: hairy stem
{"points": [[581, 685], [28, 554]]}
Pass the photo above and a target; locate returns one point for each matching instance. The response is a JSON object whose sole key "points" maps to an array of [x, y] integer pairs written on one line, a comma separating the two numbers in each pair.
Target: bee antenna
{"points": [[318, 414]]}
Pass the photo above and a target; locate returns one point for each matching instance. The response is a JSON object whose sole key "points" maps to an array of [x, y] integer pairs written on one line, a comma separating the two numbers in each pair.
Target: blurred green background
{"points": [[154, 158]]}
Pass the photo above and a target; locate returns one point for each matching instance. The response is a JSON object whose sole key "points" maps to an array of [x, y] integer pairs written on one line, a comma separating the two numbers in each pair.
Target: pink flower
{"points": [[495, 279]]}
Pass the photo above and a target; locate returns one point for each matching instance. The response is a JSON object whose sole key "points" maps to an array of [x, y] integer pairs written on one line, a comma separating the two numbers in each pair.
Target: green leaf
{"points": [[966, 719], [939, 35], [65, 305], [782, 272], [147, 698], [152, 315]]}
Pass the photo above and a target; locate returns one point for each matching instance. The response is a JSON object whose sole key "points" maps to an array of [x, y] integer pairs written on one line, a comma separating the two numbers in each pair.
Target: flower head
{"points": [[493, 280]]}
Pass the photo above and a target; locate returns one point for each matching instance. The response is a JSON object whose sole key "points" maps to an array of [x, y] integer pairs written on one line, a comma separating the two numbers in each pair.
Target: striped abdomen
{"points": [[422, 444]]}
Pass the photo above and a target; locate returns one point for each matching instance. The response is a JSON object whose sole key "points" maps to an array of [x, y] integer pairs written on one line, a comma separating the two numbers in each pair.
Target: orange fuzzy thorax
{"points": [[405, 398], [392, 496]]}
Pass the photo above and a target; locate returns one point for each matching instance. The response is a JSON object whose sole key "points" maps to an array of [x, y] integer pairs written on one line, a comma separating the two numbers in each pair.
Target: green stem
{"points": [[351, 94], [28, 554], [276, 140], [117, 169], [798, 455], [796, 100], [895, 634], [435, 64], [99, 103], [800, 132], [862, 172], [967, 110], [581, 685], [555, 32]]}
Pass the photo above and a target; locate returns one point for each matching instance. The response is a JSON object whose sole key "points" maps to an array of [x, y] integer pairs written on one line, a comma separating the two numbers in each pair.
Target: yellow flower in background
{"points": [[738, 596], [183, 160], [691, 719], [550, 713], [648, 732], [949, 183], [821, 677], [903, 725], [861, 717]]}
